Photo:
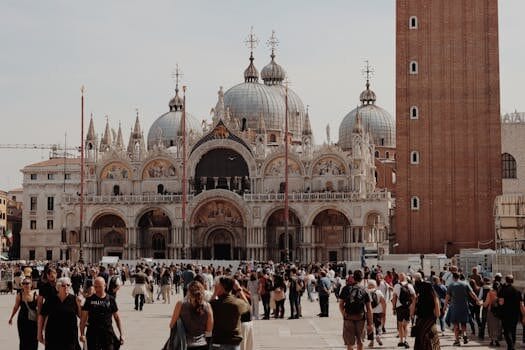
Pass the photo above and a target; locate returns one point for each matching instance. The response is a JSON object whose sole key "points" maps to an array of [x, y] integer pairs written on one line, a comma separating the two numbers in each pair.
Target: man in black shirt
{"points": [[47, 287], [97, 312], [510, 298]]}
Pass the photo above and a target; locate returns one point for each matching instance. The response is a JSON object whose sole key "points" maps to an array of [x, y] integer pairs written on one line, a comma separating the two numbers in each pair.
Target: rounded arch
{"points": [[206, 197], [108, 211], [115, 169], [110, 230], [158, 167], [218, 211], [147, 209], [208, 235], [313, 215], [273, 211], [329, 164], [508, 166], [372, 216], [274, 165], [197, 154]]}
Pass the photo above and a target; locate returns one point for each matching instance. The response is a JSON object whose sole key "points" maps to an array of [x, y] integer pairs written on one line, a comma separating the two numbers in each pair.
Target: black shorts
{"points": [[403, 313]]}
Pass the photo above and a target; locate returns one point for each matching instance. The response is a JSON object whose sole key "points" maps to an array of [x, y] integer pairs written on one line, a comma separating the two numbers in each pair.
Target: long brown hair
{"points": [[196, 296]]}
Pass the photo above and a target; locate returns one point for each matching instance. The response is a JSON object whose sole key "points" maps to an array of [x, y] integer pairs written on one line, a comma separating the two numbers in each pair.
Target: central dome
{"points": [[251, 99]]}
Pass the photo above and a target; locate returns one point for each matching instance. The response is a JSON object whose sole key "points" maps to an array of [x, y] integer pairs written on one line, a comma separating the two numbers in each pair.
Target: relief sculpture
{"points": [[276, 168], [159, 168], [218, 212], [115, 171], [329, 167]]}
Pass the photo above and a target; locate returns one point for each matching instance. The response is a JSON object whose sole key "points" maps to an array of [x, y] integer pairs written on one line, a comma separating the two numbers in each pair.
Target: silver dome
{"points": [[167, 128], [374, 118], [296, 110], [249, 100], [273, 73]]}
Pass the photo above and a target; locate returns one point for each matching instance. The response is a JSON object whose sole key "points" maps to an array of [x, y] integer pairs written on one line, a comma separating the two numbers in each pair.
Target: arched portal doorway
{"points": [[329, 228], [154, 229], [276, 233], [110, 230], [222, 168], [218, 232], [221, 243]]}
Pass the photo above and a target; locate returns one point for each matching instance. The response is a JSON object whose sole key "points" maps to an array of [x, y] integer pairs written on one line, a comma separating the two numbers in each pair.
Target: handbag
{"points": [[278, 294], [31, 314], [177, 339]]}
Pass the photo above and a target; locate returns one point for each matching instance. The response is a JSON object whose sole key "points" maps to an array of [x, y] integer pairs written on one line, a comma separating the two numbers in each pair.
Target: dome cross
{"points": [[272, 43], [368, 72], [251, 41], [177, 75]]}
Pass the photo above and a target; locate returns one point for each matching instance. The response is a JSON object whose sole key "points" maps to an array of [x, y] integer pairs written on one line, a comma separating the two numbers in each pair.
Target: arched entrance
{"points": [[110, 230], [221, 243], [276, 233], [154, 229], [218, 231], [329, 228], [222, 168]]}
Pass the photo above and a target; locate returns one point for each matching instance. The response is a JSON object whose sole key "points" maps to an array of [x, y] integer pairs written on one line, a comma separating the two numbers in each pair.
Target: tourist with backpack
{"points": [[403, 297], [355, 307], [378, 305]]}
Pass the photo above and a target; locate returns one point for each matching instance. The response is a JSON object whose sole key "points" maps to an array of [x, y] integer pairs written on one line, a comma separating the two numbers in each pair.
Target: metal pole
{"points": [[183, 126], [286, 208], [80, 253]]}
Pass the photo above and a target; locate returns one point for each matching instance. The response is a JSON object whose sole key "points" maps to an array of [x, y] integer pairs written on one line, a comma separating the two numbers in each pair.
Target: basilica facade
{"points": [[235, 183]]}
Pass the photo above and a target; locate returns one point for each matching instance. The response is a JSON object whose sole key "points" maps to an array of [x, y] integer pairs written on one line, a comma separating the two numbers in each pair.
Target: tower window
{"points": [[273, 138], [376, 154], [414, 157], [414, 203], [412, 22], [387, 155], [508, 165], [413, 67], [414, 112]]}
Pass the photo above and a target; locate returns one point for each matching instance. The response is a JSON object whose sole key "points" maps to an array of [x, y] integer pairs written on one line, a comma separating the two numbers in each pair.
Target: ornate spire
{"points": [[358, 125], [307, 128], [136, 128], [120, 139], [106, 139], [367, 96], [251, 75], [261, 126], [91, 130], [219, 110]]}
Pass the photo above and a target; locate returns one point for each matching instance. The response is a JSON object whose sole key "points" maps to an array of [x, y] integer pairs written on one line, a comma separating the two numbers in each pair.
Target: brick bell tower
{"points": [[448, 124]]}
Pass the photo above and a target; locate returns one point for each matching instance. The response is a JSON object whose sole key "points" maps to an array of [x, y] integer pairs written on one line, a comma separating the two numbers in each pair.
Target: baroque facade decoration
{"points": [[235, 185]]}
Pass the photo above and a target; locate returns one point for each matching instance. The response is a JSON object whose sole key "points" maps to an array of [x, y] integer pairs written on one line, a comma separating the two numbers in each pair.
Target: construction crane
{"points": [[55, 150]]}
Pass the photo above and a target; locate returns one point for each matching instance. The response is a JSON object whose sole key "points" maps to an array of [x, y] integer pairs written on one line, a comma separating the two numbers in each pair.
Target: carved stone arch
{"points": [[105, 168], [165, 160], [319, 210], [108, 211], [374, 214], [206, 147], [322, 157], [281, 207], [208, 235], [146, 209], [218, 194], [274, 157]]}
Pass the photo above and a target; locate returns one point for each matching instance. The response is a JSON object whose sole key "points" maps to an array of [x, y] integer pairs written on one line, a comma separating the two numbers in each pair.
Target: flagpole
{"points": [[286, 208], [81, 229], [184, 194]]}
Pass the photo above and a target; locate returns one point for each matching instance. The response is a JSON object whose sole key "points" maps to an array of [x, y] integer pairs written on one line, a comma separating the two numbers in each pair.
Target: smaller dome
{"points": [[273, 73], [176, 102], [251, 74], [367, 96]]}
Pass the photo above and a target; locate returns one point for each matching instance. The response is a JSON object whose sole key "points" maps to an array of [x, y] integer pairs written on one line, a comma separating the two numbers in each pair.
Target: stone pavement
{"points": [[149, 329]]}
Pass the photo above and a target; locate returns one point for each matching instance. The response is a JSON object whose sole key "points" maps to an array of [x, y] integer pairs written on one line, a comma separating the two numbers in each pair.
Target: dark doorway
{"points": [[222, 251], [119, 254], [116, 190], [159, 255], [332, 256], [220, 164], [160, 189]]}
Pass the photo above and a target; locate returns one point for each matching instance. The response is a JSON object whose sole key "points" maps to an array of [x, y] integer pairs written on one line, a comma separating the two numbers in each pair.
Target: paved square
{"points": [[149, 329]]}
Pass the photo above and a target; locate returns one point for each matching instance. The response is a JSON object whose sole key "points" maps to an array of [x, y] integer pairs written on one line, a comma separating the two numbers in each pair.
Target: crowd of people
{"points": [[77, 304]]}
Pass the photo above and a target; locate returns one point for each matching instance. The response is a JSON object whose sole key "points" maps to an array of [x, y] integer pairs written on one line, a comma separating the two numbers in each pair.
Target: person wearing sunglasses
{"points": [[59, 314], [27, 327]]}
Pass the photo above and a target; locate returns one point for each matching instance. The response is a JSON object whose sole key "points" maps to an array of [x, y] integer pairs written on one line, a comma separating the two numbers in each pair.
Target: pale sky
{"points": [[125, 51]]}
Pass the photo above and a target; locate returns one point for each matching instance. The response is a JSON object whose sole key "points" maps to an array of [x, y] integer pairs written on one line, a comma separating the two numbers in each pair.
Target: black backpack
{"points": [[404, 295], [355, 302]]}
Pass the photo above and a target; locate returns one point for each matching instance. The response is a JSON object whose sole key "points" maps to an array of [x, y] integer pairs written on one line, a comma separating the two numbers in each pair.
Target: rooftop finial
{"points": [[251, 74], [272, 43], [368, 72], [176, 75], [251, 41]]}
